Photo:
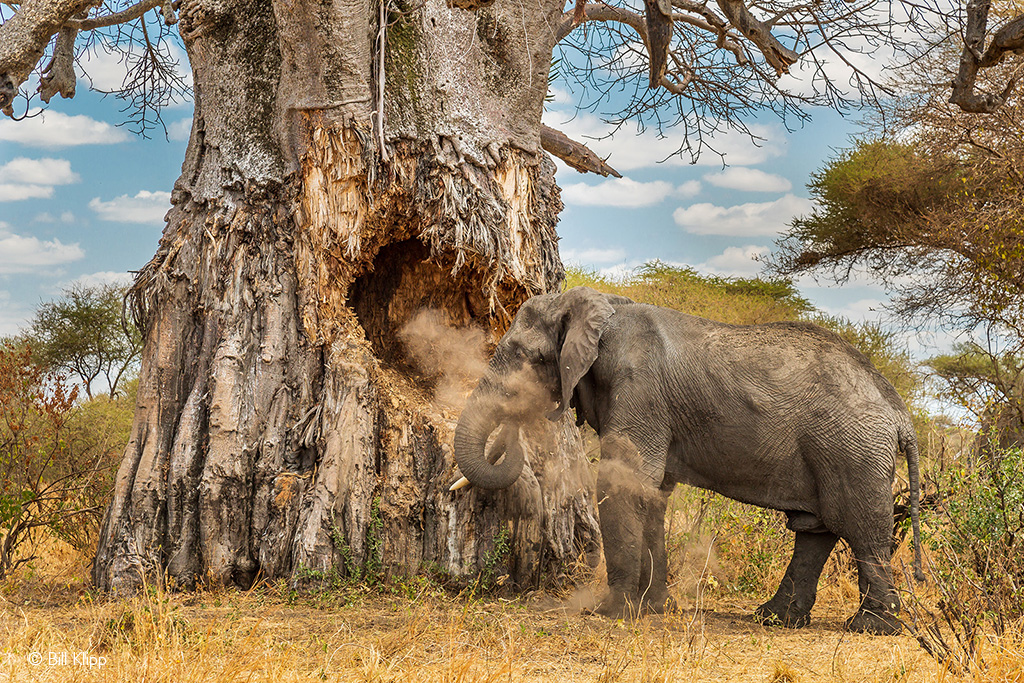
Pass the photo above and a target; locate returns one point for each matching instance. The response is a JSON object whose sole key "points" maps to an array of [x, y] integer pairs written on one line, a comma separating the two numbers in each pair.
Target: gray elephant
{"points": [[786, 416]]}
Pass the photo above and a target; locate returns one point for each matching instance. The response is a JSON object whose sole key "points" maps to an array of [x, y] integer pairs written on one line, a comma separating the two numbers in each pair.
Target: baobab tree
{"points": [[351, 163]]}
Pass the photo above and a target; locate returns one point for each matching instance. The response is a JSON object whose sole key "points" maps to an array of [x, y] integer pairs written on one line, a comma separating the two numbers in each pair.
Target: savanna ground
{"points": [[416, 629], [724, 560]]}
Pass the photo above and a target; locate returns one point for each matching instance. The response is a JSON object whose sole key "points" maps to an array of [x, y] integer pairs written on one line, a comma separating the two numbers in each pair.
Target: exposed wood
{"points": [[575, 154]]}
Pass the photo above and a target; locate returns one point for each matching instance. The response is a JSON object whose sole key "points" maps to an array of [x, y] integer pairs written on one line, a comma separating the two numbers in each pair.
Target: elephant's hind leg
{"points": [[792, 603], [867, 526], [879, 602]]}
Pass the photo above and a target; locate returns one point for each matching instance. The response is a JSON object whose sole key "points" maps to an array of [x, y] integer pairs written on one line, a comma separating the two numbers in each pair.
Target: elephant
{"points": [[786, 416]]}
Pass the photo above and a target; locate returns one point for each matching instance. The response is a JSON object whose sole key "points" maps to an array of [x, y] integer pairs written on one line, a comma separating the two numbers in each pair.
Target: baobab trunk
{"points": [[349, 165]]}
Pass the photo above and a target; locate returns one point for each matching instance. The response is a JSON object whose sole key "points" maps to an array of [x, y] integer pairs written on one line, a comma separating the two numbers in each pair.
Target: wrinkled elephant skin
{"points": [[786, 416]]}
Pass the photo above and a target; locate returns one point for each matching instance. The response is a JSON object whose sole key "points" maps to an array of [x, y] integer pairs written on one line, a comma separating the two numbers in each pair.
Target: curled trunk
{"points": [[479, 419]]}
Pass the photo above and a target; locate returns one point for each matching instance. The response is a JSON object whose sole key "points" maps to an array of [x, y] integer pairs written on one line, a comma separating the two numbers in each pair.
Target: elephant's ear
{"points": [[584, 312]]}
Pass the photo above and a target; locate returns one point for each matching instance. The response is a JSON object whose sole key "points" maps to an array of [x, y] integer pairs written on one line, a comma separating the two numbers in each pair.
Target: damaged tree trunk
{"points": [[350, 164]]}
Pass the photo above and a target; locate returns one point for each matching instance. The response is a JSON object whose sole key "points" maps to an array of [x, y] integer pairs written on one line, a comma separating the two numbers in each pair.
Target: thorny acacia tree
{"points": [[350, 163], [930, 203], [83, 335]]}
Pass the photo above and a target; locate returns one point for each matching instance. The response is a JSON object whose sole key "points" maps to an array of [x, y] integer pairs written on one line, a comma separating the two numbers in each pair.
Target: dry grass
{"points": [[730, 301], [415, 631], [258, 636]]}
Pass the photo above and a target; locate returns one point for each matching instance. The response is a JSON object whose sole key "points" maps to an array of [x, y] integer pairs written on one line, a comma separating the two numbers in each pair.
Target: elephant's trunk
{"points": [[479, 419]]}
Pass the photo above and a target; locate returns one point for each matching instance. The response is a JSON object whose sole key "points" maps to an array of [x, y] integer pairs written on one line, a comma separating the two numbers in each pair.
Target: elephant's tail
{"points": [[908, 444]]}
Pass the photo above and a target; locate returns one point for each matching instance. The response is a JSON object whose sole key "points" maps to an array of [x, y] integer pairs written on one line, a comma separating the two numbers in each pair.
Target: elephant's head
{"points": [[550, 346]]}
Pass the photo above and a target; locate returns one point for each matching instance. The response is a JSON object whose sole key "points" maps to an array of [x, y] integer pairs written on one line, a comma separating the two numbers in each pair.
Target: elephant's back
{"points": [[791, 366]]}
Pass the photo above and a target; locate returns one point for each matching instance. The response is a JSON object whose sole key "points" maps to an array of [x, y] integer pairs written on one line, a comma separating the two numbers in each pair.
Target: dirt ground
{"points": [[54, 629], [361, 635]]}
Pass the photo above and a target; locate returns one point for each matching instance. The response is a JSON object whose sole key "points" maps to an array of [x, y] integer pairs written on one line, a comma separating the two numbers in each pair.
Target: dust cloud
{"points": [[454, 358]]}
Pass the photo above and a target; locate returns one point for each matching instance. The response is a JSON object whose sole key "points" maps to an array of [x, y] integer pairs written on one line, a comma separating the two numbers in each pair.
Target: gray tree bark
{"points": [[348, 166]]}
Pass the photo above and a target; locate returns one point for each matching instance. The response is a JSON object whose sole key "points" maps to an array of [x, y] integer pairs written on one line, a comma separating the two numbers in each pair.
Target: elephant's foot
{"points": [[659, 605], [778, 612], [877, 622], [617, 605]]}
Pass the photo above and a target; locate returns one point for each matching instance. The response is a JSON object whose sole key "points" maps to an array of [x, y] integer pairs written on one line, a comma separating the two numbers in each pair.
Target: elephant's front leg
{"points": [[653, 558], [627, 501]]}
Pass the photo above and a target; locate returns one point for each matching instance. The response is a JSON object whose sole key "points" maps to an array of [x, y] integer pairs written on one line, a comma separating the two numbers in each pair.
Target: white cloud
{"points": [[144, 207], [753, 219], [627, 149], [10, 192], [105, 70], [691, 188], [618, 192], [859, 310], [870, 58], [749, 180], [22, 178], [38, 171], [52, 129], [67, 217], [594, 256], [180, 130], [20, 254], [107, 277], [619, 272], [737, 261], [13, 317]]}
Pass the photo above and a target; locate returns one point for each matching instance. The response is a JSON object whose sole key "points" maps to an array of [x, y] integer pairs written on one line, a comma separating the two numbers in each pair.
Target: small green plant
{"points": [[495, 559], [348, 563], [373, 570]]}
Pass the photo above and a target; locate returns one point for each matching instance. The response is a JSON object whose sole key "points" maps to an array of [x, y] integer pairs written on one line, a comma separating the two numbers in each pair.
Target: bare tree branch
{"points": [[602, 12], [777, 55], [59, 75], [575, 154], [24, 37], [125, 15], [658, 17], [606, 13], [1010, 38]]}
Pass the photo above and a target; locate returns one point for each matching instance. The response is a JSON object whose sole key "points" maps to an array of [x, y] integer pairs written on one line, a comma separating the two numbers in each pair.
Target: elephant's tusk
{"points": [[461, 483]]}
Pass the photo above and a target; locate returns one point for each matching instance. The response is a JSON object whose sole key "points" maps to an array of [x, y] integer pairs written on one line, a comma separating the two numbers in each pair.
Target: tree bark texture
{"points": [[280, 429]]}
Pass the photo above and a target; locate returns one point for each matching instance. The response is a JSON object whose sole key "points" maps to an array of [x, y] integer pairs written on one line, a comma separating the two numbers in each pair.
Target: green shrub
{"points": [[980, 551]]}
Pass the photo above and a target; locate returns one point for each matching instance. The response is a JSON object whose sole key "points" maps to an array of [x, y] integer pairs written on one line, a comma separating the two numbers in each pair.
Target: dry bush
{"points": [[58, 456], [972, 617]]}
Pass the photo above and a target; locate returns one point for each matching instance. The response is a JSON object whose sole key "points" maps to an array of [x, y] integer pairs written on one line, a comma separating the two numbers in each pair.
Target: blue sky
{"points": [[82, 200]]}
